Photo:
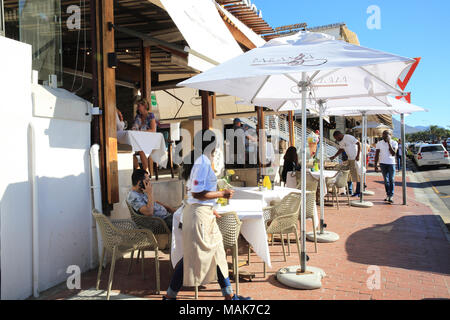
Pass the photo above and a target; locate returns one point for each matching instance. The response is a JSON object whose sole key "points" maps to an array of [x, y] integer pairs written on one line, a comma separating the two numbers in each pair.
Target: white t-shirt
{"points": [[348, 143], [120, 125], [202, 178], [385, 156]]}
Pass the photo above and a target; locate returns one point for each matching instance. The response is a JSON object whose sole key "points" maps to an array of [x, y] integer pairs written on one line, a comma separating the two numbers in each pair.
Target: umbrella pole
{"points": [[361, 203], [302, 277], [322, 236], [364, 160], [402, 119], [303, 177], [322, 209]]}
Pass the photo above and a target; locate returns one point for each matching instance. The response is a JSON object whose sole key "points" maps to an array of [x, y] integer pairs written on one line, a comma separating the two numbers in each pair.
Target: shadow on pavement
{"points": [[410, 242]]}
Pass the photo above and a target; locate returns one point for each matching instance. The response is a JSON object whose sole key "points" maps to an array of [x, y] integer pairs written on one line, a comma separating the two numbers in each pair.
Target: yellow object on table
{"points": [[266, 183]]}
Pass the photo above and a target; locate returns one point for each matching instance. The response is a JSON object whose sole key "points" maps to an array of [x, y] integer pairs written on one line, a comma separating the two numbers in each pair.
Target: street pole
{"points": [[403, 134]]}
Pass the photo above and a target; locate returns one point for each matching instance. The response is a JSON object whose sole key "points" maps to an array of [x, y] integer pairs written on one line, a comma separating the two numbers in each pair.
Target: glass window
{"points": [[38, 23], [2, 19], [432, 148]]}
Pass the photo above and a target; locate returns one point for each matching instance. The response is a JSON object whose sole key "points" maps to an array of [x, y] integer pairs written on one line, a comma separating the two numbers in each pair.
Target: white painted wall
{"points": [[15, 194], [62, 131]]}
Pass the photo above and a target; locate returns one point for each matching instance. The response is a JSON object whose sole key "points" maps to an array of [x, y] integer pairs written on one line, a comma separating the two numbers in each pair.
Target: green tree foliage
{"points": [[433, 133]]}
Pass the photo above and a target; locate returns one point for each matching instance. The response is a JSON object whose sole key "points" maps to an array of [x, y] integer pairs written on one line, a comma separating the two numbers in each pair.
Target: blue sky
{"points": [[412, 28]]}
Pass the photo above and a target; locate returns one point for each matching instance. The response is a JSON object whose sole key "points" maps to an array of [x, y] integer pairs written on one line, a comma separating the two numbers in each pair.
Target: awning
{"points": [[204, 30], [256, 39]]}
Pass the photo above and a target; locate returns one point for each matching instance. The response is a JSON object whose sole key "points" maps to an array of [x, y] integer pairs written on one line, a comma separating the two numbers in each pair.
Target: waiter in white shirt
{"points": [[352, 148], [386, 151], [204, 258]]}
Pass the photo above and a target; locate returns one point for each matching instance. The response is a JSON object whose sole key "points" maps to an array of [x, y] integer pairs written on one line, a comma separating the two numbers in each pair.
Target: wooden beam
{"points": [[238, 35], [109, 104], [208, 103], [146, 82], [291, 129]]}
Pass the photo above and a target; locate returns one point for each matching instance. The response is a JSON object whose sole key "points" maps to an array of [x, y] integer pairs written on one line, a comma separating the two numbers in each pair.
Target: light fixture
{"points": [[112, 60]]}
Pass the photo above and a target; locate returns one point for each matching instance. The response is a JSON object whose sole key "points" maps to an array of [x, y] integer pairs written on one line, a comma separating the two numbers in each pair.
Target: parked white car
{"points": [[432, 155]]}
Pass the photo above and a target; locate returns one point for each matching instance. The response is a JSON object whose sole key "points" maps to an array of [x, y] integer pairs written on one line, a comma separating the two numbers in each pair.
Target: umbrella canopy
{"points": [[374, 125], [271, 74], [304, 65], [394, 106]]}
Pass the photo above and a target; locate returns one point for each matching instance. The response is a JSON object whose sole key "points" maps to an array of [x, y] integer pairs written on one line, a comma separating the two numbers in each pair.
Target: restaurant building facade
{"points": [[65, 66]]}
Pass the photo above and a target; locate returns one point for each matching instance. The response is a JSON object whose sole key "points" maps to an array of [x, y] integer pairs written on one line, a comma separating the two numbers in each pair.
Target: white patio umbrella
{"points": [[285, 69], [393, 107]]}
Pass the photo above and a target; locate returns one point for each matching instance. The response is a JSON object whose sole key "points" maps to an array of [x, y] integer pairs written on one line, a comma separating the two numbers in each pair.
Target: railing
{"points": [[278, 125]]}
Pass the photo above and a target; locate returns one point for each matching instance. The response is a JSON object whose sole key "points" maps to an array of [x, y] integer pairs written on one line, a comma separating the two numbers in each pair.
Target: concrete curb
{"points": [[428, 197]]}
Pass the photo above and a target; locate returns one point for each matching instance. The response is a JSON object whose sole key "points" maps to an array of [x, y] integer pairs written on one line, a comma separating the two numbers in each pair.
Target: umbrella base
{"points": [[310, 280], [368, 193], [325, 237], [359, 204]]}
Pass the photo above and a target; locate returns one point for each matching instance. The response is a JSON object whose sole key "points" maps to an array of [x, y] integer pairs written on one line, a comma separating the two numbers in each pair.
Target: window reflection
{"points": [[38, 23]]}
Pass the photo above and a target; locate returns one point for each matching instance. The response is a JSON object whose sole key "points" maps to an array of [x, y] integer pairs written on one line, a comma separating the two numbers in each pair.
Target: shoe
{"points": [[386, 199], [166, 298], [390, 200], [236, 297], [356, 195]]}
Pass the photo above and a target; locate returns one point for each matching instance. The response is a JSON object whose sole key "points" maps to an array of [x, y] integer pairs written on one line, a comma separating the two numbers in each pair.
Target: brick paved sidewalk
{"points": [[405, 242]]}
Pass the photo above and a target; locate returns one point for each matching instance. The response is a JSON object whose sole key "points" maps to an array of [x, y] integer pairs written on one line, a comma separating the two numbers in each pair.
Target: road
{"points": [[439, 178]]}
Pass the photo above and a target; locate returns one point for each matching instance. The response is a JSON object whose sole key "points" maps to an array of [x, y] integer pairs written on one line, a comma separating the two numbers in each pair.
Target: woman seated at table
{"points": [[290, 163], [204, 256], [144, 121]]}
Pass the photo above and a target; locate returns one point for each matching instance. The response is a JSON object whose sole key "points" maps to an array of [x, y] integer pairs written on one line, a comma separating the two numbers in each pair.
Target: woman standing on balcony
{"points": [[144, 121], [204, 256]]}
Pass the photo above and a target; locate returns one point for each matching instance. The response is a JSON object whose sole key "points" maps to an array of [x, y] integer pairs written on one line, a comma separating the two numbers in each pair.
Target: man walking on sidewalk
{"points": [[352, 148], [386, 151]]}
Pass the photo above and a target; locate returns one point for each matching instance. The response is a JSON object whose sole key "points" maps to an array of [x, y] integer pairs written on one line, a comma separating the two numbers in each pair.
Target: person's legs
{"points": [[144, 160], [350, 187], [391, 179], [384, 171], [358, 188], [225, 284], [177, 281]]}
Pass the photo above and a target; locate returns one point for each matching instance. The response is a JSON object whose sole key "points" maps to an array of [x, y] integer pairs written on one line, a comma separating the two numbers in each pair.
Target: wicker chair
{"points": [[121, 236], [157, 225], [336, 182], [311, 182], [283, 219], [230, 227], [310, 206]]}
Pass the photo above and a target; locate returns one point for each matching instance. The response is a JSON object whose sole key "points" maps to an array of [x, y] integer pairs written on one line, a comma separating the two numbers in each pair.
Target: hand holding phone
{"points": [[146, 186]]}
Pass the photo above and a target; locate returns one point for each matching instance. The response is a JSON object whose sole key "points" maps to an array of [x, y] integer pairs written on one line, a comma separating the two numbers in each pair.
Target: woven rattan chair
{"points": [[157, 225], [310, 208], [311, 182], [230, 227], [121, 236], [337, 182], [283, 219]]}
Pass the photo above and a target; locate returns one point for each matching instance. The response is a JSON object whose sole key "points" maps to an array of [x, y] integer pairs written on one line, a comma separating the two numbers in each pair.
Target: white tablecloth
{"points": [[326, 174], [268, 196], [248, 204], [151, 143], [252, 228]]}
